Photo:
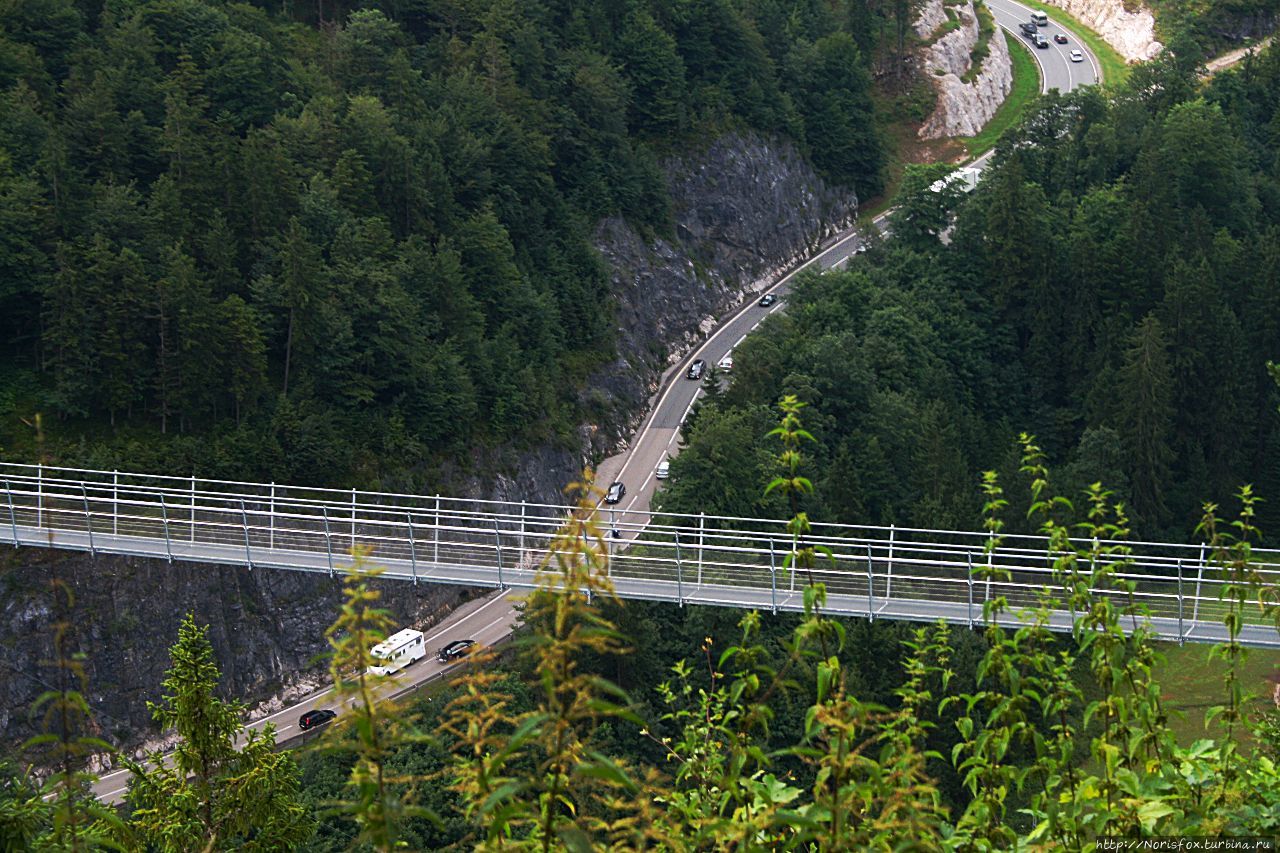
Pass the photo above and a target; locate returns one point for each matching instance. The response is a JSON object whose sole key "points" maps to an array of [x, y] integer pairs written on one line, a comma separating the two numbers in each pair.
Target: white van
{"points": [[1040, 19], [398, 651]]}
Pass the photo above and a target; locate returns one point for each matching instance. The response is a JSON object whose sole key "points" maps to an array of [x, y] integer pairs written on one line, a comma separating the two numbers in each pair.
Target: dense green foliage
{"points": [[1055, 742], [1111, 283], [211, 792], [1213, 27], [322, 252]]}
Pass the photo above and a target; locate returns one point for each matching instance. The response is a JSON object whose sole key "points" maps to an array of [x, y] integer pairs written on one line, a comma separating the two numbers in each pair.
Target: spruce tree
{"points": [[223, 785]]}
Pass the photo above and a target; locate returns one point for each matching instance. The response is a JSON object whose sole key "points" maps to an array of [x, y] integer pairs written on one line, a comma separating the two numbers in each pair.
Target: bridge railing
{"points": [[870, 570]]}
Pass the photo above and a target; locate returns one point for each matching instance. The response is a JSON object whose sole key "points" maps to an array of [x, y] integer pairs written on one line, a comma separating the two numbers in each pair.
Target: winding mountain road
{"points": [[489, 620]]}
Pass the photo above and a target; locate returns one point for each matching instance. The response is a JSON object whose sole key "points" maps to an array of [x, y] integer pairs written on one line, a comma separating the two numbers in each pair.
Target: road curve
{"points": [[1057, 71]]}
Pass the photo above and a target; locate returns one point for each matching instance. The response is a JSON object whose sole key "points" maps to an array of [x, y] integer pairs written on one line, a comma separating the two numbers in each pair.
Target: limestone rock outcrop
{"points": [[1132, 34], [962, 107]]}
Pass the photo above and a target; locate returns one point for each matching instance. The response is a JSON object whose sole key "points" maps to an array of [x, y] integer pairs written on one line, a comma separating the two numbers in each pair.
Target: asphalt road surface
{"points": [[486, 620], [1057, 71]]}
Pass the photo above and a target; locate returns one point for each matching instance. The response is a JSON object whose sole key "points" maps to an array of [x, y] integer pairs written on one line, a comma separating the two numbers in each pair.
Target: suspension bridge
{"points": [[869, 571]]}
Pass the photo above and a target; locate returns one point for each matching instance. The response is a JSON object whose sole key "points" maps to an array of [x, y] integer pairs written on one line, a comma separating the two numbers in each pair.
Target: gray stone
{"points": [[963, 109], [1132, 34], [745, 209]]}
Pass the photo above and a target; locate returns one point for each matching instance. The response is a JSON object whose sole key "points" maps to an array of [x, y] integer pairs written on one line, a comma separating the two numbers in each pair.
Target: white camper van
{"points": [[398, 651]]}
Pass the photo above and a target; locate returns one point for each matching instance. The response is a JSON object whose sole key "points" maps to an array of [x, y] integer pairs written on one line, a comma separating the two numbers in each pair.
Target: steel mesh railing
{"points": [[870, 571]]}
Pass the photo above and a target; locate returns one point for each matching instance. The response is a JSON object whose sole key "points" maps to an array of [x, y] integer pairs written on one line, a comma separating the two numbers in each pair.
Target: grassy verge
{"points": [[1112, 65], [1192, 684], [1026, 86], [986, 29]]}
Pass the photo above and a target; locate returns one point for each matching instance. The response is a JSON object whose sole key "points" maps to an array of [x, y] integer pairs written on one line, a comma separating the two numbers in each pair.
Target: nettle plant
{"points": [[1064, 739]]}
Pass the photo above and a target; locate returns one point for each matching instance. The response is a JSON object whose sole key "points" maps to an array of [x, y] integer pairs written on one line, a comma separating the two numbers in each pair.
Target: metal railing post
{"points": [[40, 495], [522, 524], [773, 577], [608, 543], [271, 537], [328, 538], [991, 567], [164, 514], [115, 502], [702, 525], [1195, 605], [88, 520], [679, 574], [244, 520], [1181, 636], [13, 516], [193, 507], [969, 554], [871, 610], [888, 581], [435, 539], [497, 542], [353, 520], [413, 551]]}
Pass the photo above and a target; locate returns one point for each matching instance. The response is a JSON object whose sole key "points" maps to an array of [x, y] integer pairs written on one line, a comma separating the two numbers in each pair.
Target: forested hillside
{"points": [[1113, 286], [309, 242]]}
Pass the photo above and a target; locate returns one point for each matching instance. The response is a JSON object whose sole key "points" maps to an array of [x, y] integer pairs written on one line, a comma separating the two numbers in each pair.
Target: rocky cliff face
{"points": [[745, 209], [963, 107], [1132, 34]]}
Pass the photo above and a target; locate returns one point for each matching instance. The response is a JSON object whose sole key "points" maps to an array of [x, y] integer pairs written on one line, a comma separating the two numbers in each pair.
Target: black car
{"points": [[1028, 29], [615, 493], [697, 368], [1060, 38], [454, 650], [319, 717], [768, 299]]}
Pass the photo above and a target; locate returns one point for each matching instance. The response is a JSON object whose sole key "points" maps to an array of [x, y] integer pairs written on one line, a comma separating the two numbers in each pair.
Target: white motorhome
{"points": [[398, 651], [964, 179]]}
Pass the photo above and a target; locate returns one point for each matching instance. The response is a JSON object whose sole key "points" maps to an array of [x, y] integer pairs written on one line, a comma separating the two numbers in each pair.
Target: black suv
{"points": [[768, 299], [615, 493], [454, 650], [311, 719], [1029, 29], [697, 368]]}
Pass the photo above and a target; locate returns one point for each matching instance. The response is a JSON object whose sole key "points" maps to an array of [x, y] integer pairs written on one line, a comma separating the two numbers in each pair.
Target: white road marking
{"points": [[689, 408], [779, 308], [743, 338], [698, 353]]}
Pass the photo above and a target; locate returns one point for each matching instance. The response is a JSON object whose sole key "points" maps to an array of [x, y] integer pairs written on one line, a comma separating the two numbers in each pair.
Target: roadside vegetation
{"points": [[1026, 88]]}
